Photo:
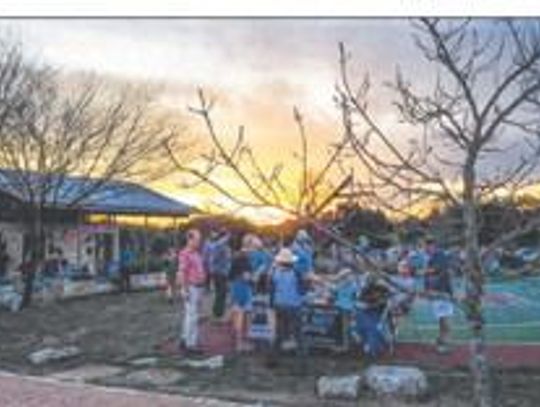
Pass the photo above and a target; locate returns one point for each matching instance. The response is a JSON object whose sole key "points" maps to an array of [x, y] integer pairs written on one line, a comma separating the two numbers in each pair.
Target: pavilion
{"points": [[87, 231]]}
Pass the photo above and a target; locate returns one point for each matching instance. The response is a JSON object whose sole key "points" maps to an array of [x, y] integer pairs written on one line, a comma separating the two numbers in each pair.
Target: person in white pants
{"points": [[190, 325], [192, 278]]}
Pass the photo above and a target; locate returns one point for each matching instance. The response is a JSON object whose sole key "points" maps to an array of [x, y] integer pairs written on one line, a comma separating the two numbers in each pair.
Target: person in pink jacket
{"points": [[192, 278]]}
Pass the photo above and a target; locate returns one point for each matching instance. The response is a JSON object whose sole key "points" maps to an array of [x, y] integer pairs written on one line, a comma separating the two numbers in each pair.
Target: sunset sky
{"points": [[258, 69]]}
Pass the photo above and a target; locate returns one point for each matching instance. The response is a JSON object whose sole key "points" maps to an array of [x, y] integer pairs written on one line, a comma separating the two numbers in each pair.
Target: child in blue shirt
{"points": [[286, 298]]}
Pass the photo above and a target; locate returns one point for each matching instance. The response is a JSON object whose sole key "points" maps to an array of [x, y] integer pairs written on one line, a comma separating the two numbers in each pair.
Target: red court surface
{"points": [[217, 339], [503, 356], [24, 391]]}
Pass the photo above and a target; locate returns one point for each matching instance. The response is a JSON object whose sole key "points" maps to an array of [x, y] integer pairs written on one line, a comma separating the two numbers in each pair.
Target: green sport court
{"points": [[511, 307]]}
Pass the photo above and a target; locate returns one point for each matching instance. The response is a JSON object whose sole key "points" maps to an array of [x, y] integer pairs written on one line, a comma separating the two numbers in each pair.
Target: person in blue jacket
{"points": [[261, 262], [302, 249], [217, 257], [287, 299]]}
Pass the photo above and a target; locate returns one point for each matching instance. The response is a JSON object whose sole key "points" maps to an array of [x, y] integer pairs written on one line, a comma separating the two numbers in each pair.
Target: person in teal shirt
{"points": [[261, 262], [302, 248], [346, 292]]}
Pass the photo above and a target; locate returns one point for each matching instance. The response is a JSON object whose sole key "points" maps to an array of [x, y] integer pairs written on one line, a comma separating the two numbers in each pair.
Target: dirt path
{"points": [[18, 391]]}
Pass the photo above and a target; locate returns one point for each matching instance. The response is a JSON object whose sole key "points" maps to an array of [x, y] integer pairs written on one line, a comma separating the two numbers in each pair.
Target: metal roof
{"points": [[98, 196]]}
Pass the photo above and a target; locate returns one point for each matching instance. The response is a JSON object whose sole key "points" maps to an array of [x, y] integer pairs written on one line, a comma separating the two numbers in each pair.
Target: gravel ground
{"points": [[114, 330]]}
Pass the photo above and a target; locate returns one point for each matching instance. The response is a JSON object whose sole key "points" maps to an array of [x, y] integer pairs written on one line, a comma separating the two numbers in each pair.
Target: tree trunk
{"points": [[474, 287], [37, 253]]}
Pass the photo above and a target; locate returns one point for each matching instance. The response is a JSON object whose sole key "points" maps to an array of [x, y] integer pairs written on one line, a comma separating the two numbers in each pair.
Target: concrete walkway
{"points": [[26, 391]]}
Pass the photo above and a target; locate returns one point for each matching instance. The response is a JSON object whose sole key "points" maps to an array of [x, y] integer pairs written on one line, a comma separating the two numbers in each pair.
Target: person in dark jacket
{"points": [[241, 293], [217, 259]]}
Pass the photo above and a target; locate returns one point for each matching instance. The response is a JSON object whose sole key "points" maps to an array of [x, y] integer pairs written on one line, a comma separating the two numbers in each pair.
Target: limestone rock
{"points": [[342, 387], [398, 381], [47, 355], [10, 298]]}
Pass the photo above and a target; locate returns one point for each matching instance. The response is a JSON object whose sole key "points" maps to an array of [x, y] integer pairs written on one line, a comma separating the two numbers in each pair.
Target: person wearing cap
{"points": [[192, 278], [286, 298]]}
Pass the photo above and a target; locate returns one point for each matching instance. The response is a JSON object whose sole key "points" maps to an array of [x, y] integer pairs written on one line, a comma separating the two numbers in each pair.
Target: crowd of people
{"points": [[261, 290], [250, 276]]}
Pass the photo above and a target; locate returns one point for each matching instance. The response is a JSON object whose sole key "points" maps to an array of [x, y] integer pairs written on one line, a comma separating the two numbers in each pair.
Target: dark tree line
{"points": [[495, 219]]}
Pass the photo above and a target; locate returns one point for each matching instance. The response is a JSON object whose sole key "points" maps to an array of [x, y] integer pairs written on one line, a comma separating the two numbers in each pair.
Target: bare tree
{"points": [[312, 188], [51, 129], [479, 136], [304, 195], [483, 105]]}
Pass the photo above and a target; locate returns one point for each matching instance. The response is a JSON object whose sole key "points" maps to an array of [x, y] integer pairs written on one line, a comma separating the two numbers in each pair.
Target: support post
{"points": [[78, 239], [117, 248], [145, 244], [175, 233]]}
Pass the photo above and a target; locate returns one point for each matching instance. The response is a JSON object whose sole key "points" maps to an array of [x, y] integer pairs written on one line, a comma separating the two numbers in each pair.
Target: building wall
{"points": [[88, 244], [78, 247]]}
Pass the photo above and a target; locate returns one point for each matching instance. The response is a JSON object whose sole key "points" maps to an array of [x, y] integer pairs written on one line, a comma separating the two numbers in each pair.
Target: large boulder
{"points": [[47, 355], [10, 298], [398, 381], [339, 387]]}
